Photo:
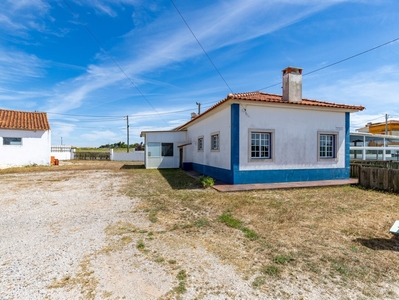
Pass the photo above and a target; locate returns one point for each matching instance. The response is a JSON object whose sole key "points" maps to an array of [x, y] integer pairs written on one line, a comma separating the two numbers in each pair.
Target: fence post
{"points": [[111, 154]]}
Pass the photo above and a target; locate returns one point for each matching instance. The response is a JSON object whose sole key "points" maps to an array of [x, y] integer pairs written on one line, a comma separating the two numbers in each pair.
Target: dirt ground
{"points": [[76, 234], [71, 235]]}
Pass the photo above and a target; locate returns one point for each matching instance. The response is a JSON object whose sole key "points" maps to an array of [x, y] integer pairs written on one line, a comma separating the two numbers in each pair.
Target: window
{"points": [[201, 143], [160, 149], [327, 146], [12, 141], [153, 149], [167, 149], [215, 142], [260, 145]]}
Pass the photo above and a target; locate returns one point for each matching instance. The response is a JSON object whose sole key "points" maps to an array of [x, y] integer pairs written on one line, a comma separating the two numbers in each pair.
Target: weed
{"points": [[272, 270], [182, 275], [181, 288], [250, 233], [259, 281], [140, 245], [206, 181], [283, 259], [201, 222], [227, 219], [172, 261]]}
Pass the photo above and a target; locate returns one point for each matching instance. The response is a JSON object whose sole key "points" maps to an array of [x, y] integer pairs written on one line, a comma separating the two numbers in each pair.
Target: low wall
{"points": [[62, 152], [131, 156]]}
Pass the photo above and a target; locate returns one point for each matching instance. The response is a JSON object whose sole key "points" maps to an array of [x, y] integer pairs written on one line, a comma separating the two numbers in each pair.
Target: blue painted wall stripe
{"points": [[347, 143], [235, 141]]}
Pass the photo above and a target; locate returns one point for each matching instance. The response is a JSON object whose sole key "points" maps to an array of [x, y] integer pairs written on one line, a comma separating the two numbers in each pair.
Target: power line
{"points": [[217, 70], [340, 61], [109, 55]]}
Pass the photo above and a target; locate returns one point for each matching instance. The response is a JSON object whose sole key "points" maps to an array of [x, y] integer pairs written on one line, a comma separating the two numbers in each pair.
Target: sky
{"points": [[90, 64]]}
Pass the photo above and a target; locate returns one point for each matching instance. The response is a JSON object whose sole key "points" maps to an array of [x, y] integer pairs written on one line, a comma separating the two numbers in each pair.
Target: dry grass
{"points": [[333, 235], [336, 236]]}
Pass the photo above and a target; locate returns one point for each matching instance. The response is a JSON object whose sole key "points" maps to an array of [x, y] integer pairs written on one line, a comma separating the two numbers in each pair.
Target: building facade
{"points": [[25, 138]]}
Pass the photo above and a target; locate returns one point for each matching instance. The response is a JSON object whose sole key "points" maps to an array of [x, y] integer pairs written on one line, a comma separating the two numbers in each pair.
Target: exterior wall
{"points": [[163, 162], [295, 150], [131, 156], [295, 137], [62, 152], [35, 148], [213, 163]]}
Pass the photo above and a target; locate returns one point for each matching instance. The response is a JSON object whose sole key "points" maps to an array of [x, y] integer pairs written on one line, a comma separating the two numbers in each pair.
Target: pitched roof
{"points": [[278, 99], [14, 119]]}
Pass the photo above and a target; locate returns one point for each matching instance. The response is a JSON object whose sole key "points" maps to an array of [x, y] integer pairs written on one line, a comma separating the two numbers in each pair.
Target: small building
{"points": [[25, 138], [367, 146], [261, 138], [390, 127]]}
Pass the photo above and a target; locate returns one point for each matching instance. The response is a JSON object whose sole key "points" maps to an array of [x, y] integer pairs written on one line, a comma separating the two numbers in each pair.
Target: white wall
{"points": [[162, 162], [62, 152], [219, 122], [124, 156], [295, 136], [35, 148]]}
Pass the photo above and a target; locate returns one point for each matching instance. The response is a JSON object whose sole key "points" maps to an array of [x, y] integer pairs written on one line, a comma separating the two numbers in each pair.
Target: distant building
{"points": [[260, 138], [392, 128], [25, 138], [367, 146]]}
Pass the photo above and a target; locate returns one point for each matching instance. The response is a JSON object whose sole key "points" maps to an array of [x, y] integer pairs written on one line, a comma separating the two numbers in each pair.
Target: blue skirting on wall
{"points": [[268, 176]]}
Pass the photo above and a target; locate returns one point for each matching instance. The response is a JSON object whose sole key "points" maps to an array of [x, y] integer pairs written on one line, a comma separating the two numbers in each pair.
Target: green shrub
{"points": [[206, 181]]}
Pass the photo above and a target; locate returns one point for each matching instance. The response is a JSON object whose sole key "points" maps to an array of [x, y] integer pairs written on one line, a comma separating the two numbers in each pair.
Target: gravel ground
{"points": [[73, 235]]}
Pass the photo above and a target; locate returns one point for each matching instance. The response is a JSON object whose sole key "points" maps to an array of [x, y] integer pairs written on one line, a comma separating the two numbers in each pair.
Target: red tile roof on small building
{"points": [[278, 99], [22, 120]]}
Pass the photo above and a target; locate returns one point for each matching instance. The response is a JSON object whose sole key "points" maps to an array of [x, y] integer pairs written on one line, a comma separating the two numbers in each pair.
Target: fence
{"points": [[380, 175], [379, 178]]}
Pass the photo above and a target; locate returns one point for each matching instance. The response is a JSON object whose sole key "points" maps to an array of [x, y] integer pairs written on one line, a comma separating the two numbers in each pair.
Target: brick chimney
{"points": [[292, 84]]}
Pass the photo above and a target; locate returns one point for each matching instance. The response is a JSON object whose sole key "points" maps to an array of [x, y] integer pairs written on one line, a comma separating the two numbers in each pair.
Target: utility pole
{"points": [[61, 140], [127, 129], [386, 124], [199, 107]]}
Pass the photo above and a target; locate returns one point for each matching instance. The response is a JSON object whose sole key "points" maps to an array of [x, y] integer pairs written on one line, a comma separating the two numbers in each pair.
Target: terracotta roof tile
{"points": [[278, 99], [14, 119]]}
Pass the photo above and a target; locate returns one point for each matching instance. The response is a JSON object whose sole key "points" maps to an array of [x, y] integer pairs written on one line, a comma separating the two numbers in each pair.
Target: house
{"points": [[260, 138], [24, 138], [390, 127]]}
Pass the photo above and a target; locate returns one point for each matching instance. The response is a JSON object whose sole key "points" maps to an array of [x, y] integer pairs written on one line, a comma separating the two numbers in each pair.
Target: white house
{"points": [[262, 138], [24, 138]]}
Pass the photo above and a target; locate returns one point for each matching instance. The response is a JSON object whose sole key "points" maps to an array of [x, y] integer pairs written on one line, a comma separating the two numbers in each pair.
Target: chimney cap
{"points": [[293, 70]]}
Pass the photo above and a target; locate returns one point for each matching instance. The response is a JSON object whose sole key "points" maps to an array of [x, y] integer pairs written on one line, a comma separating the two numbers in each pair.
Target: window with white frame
{"points": [[327, 145], [215, 142], [261, 143], [12, 141], [201, 143]]}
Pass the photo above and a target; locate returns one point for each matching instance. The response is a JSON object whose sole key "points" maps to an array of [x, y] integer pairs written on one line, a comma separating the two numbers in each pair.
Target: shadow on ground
{"points": [[178, 180], [132, 167], [380, 243]]}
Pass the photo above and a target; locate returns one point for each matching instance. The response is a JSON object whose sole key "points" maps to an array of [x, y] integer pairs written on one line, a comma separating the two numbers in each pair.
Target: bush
{"points": [[206, 181]]}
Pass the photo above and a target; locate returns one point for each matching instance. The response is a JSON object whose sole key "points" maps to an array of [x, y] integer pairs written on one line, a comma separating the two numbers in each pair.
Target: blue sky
{"points": [[50, 62]]}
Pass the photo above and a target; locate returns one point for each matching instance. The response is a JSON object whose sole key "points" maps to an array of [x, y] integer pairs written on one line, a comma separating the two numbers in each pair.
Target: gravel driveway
{"points": [[73, 235]]}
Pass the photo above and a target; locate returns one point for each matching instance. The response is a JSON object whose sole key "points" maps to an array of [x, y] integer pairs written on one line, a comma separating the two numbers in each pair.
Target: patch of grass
{"points": [[140, 245], [182, 275], [226, 218], [202, 222], [259, 281], [181, 288], [172, 261], [283, 259], [272, 270]]}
